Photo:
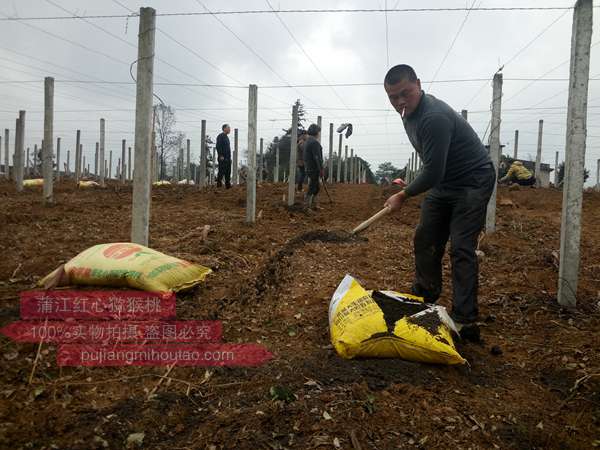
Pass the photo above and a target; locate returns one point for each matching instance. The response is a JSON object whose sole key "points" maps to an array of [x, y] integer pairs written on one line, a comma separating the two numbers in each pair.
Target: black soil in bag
{"points": [[394, 310], [430, 321]]}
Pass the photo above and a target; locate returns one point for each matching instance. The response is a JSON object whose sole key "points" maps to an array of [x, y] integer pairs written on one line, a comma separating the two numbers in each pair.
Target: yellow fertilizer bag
{"points": [[33, 182], [162, 183], [127, 265], [388, 324]]}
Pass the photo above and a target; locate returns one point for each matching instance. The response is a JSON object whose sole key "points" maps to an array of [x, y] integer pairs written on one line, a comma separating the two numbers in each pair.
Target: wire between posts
{"points": [[135, 81], [300, 11]]}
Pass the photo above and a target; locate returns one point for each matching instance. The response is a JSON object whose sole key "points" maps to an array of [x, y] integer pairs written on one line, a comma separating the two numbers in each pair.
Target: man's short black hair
{"points": [[400, 73], [225, 125], [313, 130]]}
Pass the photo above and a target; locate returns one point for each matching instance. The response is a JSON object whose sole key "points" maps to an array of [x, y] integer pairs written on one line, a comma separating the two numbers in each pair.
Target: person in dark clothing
{"points": [[313, 162], [459, 177], [300, 170], [224, 157]]}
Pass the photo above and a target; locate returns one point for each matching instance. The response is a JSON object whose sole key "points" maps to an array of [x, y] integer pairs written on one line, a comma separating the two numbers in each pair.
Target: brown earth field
{"points": [[533, 384]]}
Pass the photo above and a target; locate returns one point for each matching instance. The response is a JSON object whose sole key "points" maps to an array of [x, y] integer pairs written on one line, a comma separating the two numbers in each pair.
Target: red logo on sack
{"points": [[120, 251]]}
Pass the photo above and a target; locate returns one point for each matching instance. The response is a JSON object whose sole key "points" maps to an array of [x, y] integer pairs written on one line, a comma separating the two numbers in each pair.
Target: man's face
{"points": [[227, 130], [404, 95]]}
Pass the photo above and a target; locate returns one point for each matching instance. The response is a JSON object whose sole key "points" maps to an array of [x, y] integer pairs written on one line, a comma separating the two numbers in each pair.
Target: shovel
{"points": [[326, 190], [363, 226]]}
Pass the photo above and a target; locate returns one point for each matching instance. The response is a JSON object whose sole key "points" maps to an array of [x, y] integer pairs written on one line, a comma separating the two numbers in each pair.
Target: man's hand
{"points": [[221, 158], [396, 201], [400, 182]]}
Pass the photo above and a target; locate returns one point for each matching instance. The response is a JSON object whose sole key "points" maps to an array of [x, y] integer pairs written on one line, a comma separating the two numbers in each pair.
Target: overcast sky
{"points": [[345, 47]]}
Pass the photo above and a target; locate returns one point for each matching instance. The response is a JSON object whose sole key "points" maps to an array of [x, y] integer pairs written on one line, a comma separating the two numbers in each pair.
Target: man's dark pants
{"points": [[300, 176], [526, 182], [313, 183], [457, 214], [224, 171]]}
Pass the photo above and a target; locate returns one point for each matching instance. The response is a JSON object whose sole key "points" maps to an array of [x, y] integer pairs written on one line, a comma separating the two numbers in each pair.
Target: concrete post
{"points": [[101, 154], [330, 161], [516, 149], [122, 169], [181, 165], [235, 174], [142, 183], [362, 172], [77, 156], [27, 171], [261, 166], [556, 171], [570, 230], [129, 163], [465, 114], [19, 144], [351, 177], [251, 180], [490, 221], [345, 172], [68, 166], [319, 122], [597, 175], [276, 171], [188, 171], [293, 157], [83, 170], [96, 160], [202, 181], [57, 159], [80, 159], [339, 160], [415, 164], [48, 150], [16, 162], [538, 157], [6, 152], [110, 165]]}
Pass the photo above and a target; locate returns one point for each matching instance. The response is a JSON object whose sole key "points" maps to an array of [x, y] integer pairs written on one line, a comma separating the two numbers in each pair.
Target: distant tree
{"points": [[561, 173], [168, 140], [389, 171]]}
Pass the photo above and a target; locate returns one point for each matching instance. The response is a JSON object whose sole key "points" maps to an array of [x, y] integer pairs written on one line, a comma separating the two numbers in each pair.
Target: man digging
{"points": [[459, 178]]}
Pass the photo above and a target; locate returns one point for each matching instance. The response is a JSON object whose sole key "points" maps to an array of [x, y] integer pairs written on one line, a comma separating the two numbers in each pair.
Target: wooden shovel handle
{"points": [[372, 219]]}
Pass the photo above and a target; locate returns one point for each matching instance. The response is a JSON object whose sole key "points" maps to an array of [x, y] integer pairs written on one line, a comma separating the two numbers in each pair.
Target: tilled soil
{"points": [[534, 383]]}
